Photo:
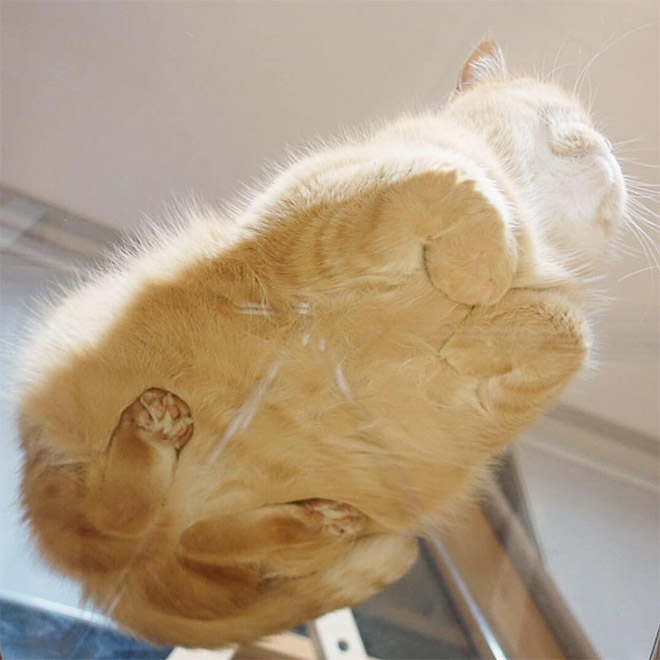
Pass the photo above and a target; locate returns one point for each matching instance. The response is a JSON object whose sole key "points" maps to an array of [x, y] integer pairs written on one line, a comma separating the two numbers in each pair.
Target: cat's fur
{"points": [[354, 347]]}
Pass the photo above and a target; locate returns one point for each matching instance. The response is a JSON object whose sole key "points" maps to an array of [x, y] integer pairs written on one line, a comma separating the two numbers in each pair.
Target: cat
{"points": [[248, 423]]}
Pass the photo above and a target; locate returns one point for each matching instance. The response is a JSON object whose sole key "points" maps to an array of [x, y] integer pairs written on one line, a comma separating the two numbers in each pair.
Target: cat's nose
{"points": [[576, 140]]}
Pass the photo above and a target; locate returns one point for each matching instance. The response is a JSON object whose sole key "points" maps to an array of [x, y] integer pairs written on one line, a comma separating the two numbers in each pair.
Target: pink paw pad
{"points": [[335, 517], [164, 416]]}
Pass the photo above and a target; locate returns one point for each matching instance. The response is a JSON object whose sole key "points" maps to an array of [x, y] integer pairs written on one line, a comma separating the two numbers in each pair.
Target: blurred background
{"points": [[110, 111]]}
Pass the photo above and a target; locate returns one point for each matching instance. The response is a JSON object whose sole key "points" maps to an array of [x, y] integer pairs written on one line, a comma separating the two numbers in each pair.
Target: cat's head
{"points": [[545, 139]]}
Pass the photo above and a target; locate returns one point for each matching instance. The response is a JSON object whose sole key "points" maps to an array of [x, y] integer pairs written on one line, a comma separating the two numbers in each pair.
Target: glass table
{"points": [[492, 586]]}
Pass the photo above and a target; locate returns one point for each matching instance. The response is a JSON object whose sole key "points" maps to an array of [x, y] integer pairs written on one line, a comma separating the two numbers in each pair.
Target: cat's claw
{"points": [[163, 417], [337, 518]]}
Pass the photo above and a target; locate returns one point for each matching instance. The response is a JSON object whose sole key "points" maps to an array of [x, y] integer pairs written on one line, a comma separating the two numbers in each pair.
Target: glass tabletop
{"points": [[561, 544]]}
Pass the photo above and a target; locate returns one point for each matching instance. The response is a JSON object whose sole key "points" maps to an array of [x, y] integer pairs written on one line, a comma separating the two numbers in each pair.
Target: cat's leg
{"points": [[223, 563], [284, 539], [232, 595], [384, 216], [522, 352], [139, 463], [464, 225]]}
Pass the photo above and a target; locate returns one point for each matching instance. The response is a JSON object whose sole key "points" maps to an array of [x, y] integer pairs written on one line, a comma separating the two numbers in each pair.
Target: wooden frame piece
{"points": [[334, 636], [498, 609], [498, 582], [287, 646]]}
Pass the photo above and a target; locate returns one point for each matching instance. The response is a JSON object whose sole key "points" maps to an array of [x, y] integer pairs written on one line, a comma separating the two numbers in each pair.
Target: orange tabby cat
{"points": [[247, 424]]}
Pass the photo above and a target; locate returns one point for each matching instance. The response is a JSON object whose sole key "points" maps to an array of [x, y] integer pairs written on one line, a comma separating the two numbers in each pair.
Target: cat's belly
{"points": [[337, 409]]}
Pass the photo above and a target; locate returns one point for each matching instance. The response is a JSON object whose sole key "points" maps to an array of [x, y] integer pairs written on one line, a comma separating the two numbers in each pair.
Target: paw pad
{"points": [[337, 518], [162, 416]]}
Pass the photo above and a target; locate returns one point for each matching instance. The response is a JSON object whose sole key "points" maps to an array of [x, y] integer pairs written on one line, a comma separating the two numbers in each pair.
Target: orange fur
{"points": [[354, 347]]}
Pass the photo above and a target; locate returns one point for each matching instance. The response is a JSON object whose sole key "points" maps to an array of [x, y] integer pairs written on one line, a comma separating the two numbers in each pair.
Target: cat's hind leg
{"points": [[282, 539], [139, 462]]}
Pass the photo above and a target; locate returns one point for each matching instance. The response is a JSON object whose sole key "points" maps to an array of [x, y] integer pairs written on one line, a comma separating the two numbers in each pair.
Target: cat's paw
{"points": [[537, 333], [474, 259], [161, 416], [337, 518]]}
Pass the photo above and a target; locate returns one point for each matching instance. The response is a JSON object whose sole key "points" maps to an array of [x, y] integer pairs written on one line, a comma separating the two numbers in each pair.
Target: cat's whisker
{"points": [[602, 50], [638, 208], [647, 257], [636, 272], [650, 250], [650, 224], [634, 181], [643, 213], [552, 74], [646, 216], [639, 195], [626, 142], [621, 246], [555, 67], [638, 163], [641, 206], [626, 250], [644, 192], [593, 93], [577, 73], [644, 198], [583, 71], [633, 150], [648, 227]]}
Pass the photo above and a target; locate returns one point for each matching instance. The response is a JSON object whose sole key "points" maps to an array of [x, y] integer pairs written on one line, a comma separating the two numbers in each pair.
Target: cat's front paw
{"points": [[162, 417], [473, 261]]}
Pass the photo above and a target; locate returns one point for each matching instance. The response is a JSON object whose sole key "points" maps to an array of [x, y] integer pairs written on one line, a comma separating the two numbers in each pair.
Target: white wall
{"points": [[110, 109], [599, 534]]}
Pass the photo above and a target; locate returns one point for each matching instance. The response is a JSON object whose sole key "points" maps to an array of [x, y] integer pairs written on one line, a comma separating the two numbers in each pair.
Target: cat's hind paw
{"points": [[162, 417], [139, 463], [337, 518], [537, 334]]}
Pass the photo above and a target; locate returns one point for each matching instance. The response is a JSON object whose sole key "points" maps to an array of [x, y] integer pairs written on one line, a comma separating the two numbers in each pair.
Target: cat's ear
{"points": [[486, 62]]}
